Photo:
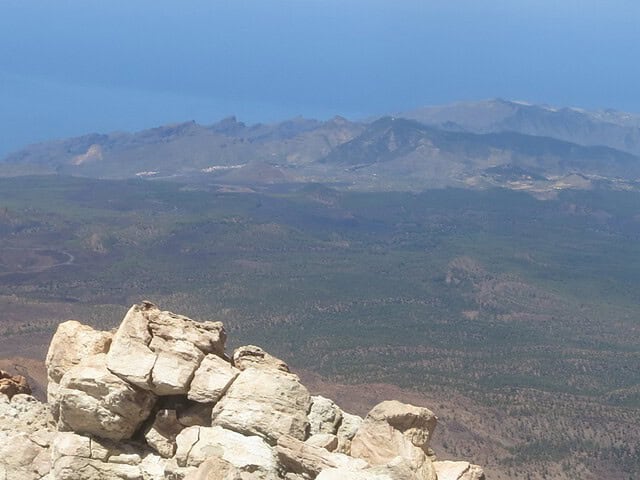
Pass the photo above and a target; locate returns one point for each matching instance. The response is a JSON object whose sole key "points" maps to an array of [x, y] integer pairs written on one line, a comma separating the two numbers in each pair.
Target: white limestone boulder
{"points": [[394, 429], [244, 453], [160, 351], [175, 364], [250, 356], [212, 379], [71, 343], [324, 416], [346, 431], [269, 403], [95, 401]]}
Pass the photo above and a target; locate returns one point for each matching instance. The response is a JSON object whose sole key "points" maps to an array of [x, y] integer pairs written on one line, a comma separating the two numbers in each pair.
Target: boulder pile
{"points": [[160, 399]]}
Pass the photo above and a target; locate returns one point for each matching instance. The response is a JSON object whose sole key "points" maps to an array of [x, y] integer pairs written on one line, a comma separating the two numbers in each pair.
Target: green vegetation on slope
{"points": [[492, 294]]}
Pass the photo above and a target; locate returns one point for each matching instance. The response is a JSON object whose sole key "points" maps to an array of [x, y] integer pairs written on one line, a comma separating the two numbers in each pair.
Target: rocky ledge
{"points": [[159, 399]]}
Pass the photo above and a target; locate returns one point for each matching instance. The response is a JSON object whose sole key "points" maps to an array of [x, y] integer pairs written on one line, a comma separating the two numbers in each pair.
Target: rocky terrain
{"points": [[158, 398]]}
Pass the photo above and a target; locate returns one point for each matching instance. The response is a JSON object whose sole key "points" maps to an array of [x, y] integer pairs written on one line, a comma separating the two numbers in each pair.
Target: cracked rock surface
{"points": [[160, 351], [95, 401]]}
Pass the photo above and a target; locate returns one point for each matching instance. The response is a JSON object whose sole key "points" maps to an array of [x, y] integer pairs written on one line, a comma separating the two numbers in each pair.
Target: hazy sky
{"points": [[69, 67]]}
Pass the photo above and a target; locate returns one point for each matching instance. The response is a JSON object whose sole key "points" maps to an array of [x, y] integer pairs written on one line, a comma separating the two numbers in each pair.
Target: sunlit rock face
{"points": [[160, 399]]}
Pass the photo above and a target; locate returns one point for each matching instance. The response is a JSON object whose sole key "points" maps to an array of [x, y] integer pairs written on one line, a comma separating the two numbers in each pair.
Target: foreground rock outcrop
{"points": [[160, 399], [72, 342], [160, 351]]}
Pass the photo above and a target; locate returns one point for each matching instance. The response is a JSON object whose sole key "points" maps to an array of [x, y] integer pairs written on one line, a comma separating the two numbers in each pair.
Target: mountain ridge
{"points": [[619, 130], [428, 148]]}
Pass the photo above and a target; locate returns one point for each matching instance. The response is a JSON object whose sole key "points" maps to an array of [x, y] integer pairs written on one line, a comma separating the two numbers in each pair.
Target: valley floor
{"points": [[515, 319]]}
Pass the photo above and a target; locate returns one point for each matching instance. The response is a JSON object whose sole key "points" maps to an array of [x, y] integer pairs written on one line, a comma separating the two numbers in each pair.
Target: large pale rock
{"points": [[268, 403], [245, 453], [160, 351], [324, 416], [71, 343], [212, 379], [251, 356], [130, 356], [11, 385], [346, 431], [176, 362], [303, 458], [448, 470], [95, 401], [416, 424], [393, 429]]}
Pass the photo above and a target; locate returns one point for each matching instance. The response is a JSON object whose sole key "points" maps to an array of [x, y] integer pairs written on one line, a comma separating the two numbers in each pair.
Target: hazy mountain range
{"points": [[614, 129], [475, 144]]}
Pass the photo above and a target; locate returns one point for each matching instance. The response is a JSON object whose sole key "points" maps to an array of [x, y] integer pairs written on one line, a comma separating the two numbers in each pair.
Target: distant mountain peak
{"points": [[577, 125]]}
